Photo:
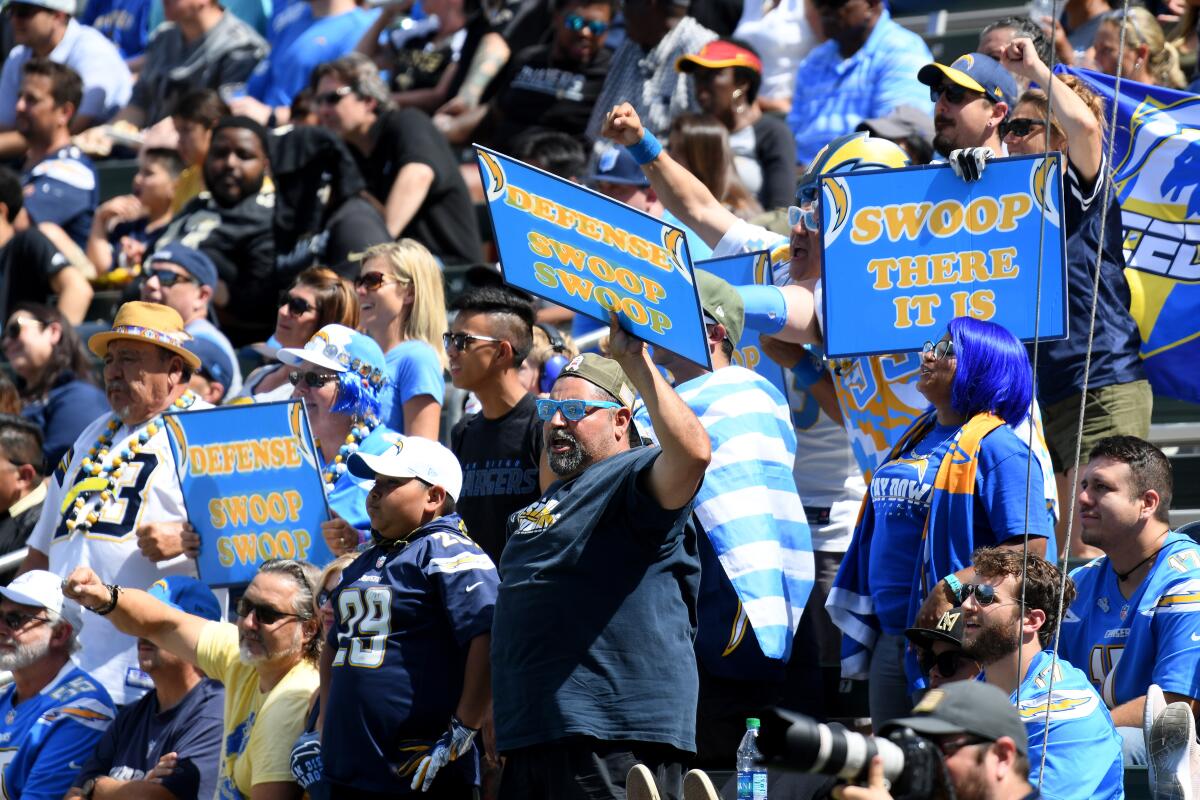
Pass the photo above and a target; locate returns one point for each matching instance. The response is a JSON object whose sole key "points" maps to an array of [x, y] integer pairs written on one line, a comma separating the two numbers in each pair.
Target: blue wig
{"points": [[356, 395], [993, 371]]}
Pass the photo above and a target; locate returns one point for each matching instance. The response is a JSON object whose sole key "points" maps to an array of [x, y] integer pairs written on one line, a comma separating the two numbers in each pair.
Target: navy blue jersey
{"points": [[141, 735], [63, 188], [1153, 636], [405, 615]]}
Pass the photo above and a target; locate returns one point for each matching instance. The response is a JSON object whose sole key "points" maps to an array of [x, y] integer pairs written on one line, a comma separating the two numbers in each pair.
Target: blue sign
{"points": [[252, 487], [740, 270], [589, 253], [905, 251]]}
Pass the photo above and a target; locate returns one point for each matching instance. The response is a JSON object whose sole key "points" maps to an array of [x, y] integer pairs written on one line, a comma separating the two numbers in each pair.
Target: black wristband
{"points": [[114, 592]]}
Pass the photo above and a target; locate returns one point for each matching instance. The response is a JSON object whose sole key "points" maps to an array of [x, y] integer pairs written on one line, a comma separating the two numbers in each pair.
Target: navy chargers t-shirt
{"points": [[597, 613]]}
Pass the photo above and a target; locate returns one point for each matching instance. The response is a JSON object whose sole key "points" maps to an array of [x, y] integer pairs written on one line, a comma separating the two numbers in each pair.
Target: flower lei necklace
{"points": [[353, 439], [107, 469]]}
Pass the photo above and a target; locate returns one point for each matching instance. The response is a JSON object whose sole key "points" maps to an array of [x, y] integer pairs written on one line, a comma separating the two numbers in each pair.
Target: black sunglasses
{"points": [[954, 93], [951, 746], [167, 278], [13, 329], [372, 281], [21, 11], [947, 662], [984, 595], [266, 615], [312, 380], [15, 620], [332, 98], [1020, 126], [576, 23], [295, 305], [459, 341], [323, 597]]}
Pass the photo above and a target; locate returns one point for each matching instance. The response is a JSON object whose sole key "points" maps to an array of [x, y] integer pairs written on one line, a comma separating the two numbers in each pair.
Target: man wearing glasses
{"points": [[185, 279], [53, 713], [1010, 614], [267, 662], [592, 661], [972, 98]]}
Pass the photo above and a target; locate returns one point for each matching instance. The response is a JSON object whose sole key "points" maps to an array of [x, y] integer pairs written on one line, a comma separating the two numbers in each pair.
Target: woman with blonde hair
{"points": [[316, 298], [1148, 56], [403, 307]]}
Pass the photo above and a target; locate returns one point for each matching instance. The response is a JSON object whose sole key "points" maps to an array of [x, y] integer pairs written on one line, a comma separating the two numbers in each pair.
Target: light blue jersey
{"points": [[45, 740], [1153, 636], [1083, 749]]}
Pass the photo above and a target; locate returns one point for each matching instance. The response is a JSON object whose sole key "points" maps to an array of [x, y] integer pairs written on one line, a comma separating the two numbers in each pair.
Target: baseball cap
{"points": [[722, 303], [904, 122], [615, 165], [341, 349], [717, 55], [65, 6], [44, 590], [949, 629], [972, 707], [412, 457], [602, 372], [976, 72], [196, 262], [215, 363], [188, 595]]}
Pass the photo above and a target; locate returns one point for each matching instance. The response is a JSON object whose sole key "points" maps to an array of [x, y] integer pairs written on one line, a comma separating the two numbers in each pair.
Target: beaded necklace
{"points": [[357, 433], [104, 470]]}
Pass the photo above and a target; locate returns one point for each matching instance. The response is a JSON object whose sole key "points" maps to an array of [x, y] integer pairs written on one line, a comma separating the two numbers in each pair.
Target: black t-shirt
{"points": [[596, 614], [536, 92], [141, 734], [499, 460], [240, 241], [445, 222], [775, 150], [26, 264], [419, 62]]}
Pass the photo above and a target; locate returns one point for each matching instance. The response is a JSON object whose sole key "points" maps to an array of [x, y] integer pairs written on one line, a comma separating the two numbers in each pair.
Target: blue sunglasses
{"points": [[576, 23], [574, 410]]}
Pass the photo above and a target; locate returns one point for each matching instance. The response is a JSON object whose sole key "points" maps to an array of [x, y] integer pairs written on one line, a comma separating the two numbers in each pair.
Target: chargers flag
{"points": [[1156, 158]]}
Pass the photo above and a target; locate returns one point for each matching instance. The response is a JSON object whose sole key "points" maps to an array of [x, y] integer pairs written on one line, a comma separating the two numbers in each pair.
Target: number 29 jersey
{"points": [[1124, 645], [405, 615]]}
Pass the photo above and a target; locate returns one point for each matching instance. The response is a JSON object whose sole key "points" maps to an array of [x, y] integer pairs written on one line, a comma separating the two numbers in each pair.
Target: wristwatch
{"points": [[88, 788]]}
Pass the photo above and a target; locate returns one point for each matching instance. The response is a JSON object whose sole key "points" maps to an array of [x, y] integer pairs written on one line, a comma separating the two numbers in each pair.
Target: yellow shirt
{"points": [[260, 728], [189, 184]]}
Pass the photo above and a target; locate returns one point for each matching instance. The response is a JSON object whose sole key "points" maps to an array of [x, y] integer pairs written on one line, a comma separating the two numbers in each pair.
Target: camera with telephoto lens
{"points": [[912, 764]]}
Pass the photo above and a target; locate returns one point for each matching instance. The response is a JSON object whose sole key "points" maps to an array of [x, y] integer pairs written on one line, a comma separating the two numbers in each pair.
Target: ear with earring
{"points": [[738, 107]]}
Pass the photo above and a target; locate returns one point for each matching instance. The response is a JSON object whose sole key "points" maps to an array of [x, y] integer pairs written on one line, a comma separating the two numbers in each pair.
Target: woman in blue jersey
{"points": [[403, 308], [958, 479], [339, 374]]}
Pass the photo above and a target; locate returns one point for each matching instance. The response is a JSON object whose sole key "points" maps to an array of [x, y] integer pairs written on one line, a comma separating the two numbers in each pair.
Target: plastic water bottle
{"points": [[1040, 9], [751, 776]]}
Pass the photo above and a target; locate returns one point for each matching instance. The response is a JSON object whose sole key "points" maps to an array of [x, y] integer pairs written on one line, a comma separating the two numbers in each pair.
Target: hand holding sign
{"points": [[190, 540], [160, 541], [623, 125], [340, 536]]}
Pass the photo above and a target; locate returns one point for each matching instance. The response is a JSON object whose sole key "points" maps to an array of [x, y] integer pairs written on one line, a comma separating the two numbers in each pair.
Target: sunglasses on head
{"points": [[574, 410], [13, 329], [576, 23], [266, 615], [947, 662], [459, 341], [313, 380], [955, 94], [295, 305], [332, 98], [15, 620], [373, 280], [1020, 126], [167, 278]]}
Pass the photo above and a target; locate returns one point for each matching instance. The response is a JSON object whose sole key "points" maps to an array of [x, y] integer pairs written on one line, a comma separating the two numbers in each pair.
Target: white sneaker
{"points": [[697, 786], [639, 784], [1169, 752]]}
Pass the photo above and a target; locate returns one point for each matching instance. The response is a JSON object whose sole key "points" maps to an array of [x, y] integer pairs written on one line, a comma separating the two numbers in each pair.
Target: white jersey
{"points": [[148, 491]]}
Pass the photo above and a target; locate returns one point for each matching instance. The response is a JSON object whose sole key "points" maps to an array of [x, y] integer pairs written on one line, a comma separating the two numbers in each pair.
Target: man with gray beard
{"points": [[592, 663], [53, 713]]}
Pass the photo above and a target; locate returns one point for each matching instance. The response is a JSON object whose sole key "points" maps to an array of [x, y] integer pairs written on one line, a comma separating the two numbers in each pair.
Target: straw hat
{"points": [[147, 322]]}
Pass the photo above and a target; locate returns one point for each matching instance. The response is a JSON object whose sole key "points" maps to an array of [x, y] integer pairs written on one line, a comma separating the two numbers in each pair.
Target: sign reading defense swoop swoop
{"points": [[740, 270], [591, 254], [252, 487], [906, 251]]}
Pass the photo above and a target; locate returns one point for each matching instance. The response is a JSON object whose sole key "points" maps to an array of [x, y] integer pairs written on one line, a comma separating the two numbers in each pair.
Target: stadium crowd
{"points": [[566, 565]]}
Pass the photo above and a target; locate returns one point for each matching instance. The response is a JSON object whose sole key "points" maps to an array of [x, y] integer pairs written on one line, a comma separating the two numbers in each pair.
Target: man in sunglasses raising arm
{"points": [[267, 662], [972, 98], [592, 662]]}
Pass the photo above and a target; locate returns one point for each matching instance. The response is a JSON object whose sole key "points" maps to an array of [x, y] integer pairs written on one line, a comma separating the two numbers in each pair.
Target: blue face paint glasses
{"points": [[573, 410]]}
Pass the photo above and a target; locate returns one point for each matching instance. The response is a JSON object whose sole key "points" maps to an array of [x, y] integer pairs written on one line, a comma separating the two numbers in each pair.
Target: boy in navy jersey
{"points": [[405, 677]]}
